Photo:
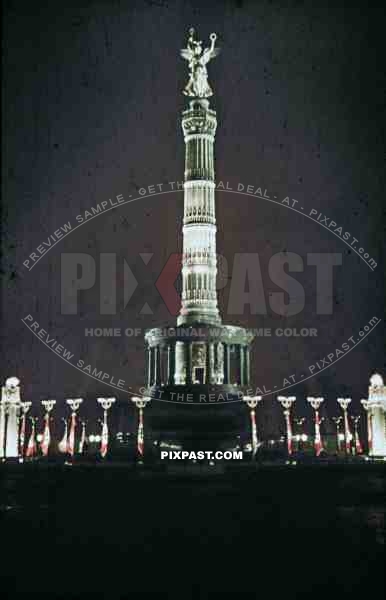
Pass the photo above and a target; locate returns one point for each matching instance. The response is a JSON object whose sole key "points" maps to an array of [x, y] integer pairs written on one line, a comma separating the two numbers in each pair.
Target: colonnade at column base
{"points": [[199, 354]]}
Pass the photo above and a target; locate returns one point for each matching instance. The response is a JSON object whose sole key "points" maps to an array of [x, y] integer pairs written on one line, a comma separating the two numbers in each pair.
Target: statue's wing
{"points": [[187, 54], [208, 54]]}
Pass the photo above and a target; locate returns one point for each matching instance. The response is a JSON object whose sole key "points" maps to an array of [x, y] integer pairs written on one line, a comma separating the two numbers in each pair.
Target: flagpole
{"points": [[300, 437], [287, 403], [25, 406], [62, 446], [106, 404], [82, 438], [252, 402], [337, 421], [74, 404], [45, 445], [31, 446], [344, 402], [358, 445], [318, 444], [366, 406], [140, 403]]}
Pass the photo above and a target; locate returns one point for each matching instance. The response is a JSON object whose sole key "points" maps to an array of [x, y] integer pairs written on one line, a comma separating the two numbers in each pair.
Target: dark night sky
{"points": [[92, 102]]}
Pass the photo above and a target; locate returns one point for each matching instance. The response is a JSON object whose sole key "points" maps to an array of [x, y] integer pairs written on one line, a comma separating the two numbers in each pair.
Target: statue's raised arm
{"points": [[198, 86], [210, 52]]}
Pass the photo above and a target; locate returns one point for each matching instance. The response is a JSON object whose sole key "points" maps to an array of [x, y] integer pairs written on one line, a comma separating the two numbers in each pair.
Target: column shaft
{"points": [[149, 366], [171, 363], [188, 362], [238, 364], [157, 365], [227, 364], [242, 364], [247, 364]]}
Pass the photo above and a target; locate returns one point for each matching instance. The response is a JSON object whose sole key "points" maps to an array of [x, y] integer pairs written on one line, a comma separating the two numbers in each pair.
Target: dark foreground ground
{"points": [[120, 530]]}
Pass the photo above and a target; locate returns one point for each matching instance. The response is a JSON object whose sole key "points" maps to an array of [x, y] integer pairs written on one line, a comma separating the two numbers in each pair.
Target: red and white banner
{"points": [[71, 437], [105, 439], [338, 444], [140, 440], [347, 433], [63, 442], [318, 438], [46, 436], [358, 445], [31, 447], [289, 431]]}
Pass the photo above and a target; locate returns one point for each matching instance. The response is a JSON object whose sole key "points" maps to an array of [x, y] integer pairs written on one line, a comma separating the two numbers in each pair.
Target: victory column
{"points": [[201, 367]]}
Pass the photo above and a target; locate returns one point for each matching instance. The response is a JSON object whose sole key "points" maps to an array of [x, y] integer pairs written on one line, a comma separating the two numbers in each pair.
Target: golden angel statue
{"points": [[198, 86]]}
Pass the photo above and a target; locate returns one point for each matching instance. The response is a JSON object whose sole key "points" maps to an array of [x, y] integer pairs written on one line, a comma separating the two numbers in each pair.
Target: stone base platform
{"points": [[207, 417]]}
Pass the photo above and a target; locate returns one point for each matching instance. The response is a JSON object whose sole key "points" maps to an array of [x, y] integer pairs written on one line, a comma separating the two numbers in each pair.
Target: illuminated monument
{"points": [[375, 406], [201, 361], [10, 406]]}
